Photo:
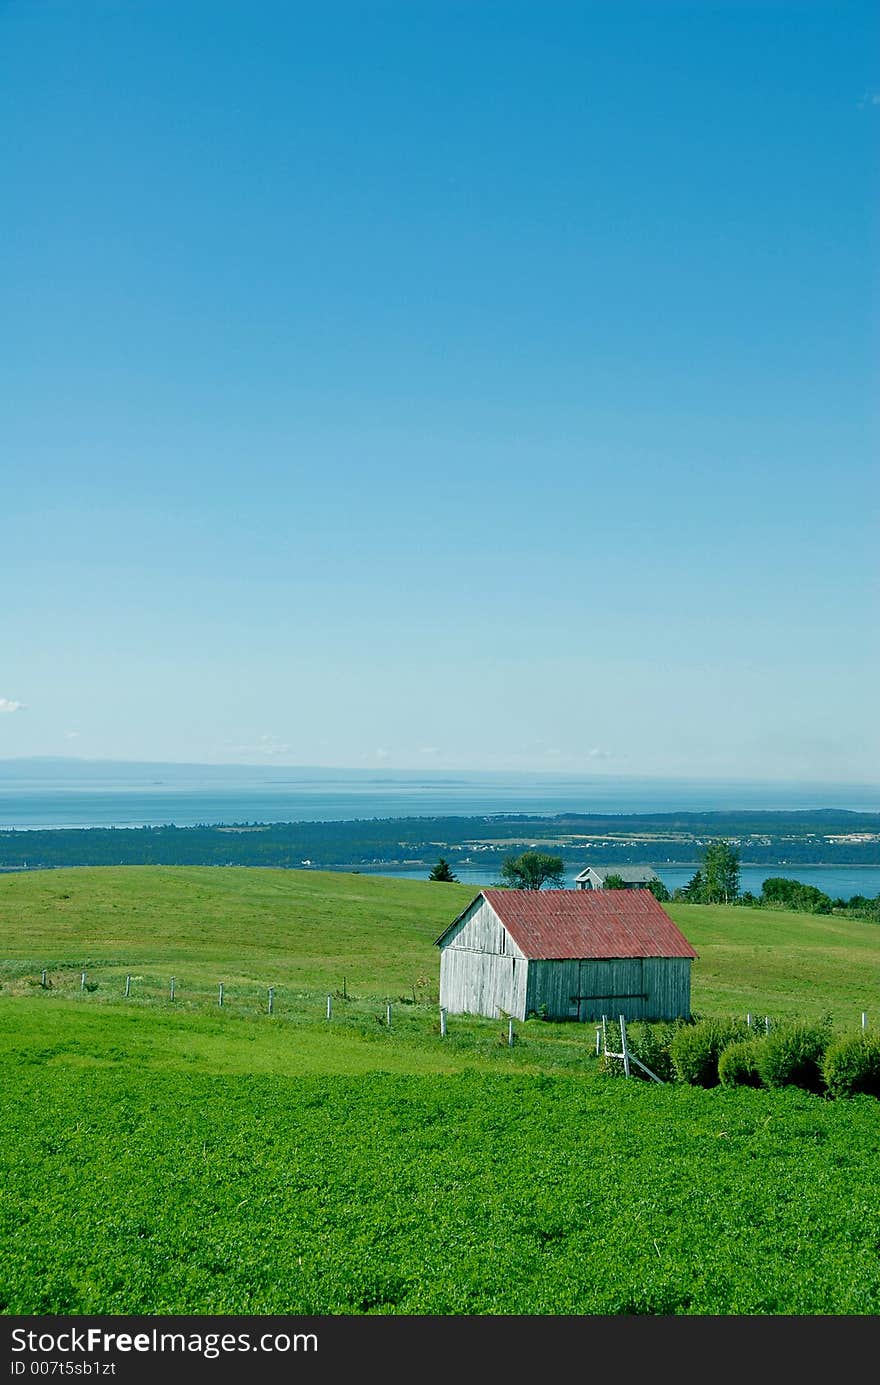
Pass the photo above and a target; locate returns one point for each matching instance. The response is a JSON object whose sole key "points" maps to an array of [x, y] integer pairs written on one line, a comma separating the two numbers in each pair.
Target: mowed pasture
{"points": [[184, 1157], [320, 931]]}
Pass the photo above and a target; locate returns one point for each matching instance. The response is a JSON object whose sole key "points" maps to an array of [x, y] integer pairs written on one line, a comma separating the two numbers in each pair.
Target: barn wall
{"points": [[481, 968], [669, 985], [637, 988], [476, 983]]}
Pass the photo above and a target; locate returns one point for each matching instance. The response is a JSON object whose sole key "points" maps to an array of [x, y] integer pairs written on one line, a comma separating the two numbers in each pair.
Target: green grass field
{"points": [[318, 932], [188, 1158]]}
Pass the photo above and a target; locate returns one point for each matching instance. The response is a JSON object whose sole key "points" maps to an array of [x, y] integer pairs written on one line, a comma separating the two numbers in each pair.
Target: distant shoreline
{"points": [[376, 867]]}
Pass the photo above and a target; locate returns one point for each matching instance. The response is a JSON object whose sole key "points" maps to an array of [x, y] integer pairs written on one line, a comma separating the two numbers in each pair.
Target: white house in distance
{"points": [[633, 877], [565, 954]]}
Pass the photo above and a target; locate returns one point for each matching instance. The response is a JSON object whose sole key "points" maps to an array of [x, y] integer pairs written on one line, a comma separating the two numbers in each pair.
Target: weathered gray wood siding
{"points": [[482, 970], [639, 988]]}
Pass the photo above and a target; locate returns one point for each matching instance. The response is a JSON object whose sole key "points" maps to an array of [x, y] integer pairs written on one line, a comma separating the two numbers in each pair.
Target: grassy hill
{"points": [[187, 1158], [373, 936]]}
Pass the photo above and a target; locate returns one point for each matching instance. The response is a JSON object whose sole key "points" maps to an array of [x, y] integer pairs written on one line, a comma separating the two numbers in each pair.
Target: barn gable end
{"points": [[482, 970], [479, 929]]}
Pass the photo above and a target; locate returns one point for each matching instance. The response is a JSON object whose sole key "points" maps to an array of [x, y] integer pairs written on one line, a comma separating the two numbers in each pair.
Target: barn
{"points": [[565, 954]]}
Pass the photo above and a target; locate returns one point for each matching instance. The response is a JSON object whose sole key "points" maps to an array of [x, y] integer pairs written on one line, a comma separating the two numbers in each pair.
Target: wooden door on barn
{"points": [[611, 988]]}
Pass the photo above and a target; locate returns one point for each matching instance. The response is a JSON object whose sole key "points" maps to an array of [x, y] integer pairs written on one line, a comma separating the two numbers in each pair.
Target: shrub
{"points": [[647, 1040], [611, 1066], [695, 1050], [651, 1043], [780, 892], [861, 908], [852, 1065], [792, 1056], [739, 1064]]}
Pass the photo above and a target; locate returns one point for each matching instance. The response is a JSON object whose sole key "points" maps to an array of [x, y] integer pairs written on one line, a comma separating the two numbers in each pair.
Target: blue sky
{"points": [[475, 385]]}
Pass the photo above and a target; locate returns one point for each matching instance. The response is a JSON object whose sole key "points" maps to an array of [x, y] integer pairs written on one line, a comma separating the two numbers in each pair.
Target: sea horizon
{"points": [[67, 792]]}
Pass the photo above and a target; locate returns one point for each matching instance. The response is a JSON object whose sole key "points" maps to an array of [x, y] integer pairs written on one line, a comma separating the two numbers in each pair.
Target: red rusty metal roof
{"points": [[547, 924]]}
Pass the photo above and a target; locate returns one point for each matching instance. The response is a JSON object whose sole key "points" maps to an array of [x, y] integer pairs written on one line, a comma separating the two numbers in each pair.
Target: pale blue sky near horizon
{"points": [[448, 385]]}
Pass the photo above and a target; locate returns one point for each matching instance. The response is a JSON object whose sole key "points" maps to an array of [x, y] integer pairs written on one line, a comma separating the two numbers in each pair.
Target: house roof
{"points": [[556, 924], [633, 873]]}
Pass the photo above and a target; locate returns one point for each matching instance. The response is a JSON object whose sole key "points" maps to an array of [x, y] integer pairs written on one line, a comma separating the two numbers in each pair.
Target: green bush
{"points": [[651, 1043], [781, 893], [792, 1056], [739, 1064], [612, 1067], [695, 1050], [852, 1065]]}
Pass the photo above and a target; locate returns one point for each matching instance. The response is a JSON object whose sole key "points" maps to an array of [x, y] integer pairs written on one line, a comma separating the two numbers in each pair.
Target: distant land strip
{"points": [[820, 837]]}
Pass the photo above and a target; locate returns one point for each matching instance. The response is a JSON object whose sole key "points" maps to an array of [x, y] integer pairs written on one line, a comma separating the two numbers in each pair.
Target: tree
{"points": [[781, 893], [659, 891], [442, 871], [694, 890], [533, 869], [614, 882], [720, 873]]}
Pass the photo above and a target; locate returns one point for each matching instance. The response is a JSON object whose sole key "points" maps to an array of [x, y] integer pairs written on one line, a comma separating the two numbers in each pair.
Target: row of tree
{"points": [[717, 881]]}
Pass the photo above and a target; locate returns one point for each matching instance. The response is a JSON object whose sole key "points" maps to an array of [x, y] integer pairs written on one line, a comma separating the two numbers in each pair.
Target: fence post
{"points": [[766, 1024], [220, 995], [442, 1022], [127, 986], [43, 979], [510, 1033], [598, 1041], [748, 1021], [623, 1045], [271, 999], [388, 1015], [864, 1019], [82, 982], [329, 1007], [172, 988]]}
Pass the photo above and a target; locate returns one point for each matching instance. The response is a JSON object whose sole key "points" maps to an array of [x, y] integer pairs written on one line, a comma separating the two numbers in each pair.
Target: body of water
{"points": [[76, 794], [840, 882], [42, 794]]}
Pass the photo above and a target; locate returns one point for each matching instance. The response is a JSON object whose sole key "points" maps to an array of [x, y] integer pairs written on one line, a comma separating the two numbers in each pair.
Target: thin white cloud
{"points": [[265, 745], [598, 753], [8, 704], [71, 735], [382, 754], [269, 746], [871, 98], [428, 750]]}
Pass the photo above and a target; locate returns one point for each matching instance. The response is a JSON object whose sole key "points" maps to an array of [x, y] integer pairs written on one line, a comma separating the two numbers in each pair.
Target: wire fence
{"points": [[116, 983], [415, 1015]]}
